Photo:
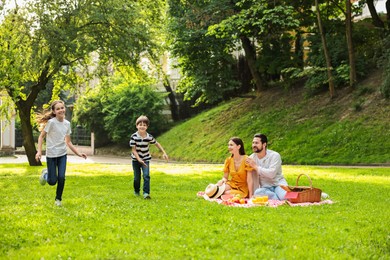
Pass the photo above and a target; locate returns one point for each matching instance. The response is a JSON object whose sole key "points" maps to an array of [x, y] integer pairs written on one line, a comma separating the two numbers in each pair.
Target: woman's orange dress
{"points": [[238, 179]]}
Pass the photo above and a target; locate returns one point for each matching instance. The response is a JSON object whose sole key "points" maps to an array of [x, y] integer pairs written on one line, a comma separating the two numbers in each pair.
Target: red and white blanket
{"points": [[271, 203]]}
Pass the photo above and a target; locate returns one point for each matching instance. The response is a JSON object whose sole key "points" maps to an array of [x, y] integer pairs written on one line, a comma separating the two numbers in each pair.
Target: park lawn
{"points": [[102, 219]]}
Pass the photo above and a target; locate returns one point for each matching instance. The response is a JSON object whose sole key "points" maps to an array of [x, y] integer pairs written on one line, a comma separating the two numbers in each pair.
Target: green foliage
{"points": [[269, 26], [111, 113], [385, 62], [385, 88], [101, 219], [205, 62], [367, 44], [60, 44]]}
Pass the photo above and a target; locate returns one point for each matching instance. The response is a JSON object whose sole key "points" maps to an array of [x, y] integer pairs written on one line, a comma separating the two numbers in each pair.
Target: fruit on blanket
{"points": [[260, 200], [242, 201], [235, 199], [226, 197]]}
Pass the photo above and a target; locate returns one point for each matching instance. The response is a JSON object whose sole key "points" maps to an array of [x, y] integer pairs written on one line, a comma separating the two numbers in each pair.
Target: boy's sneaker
{"points": [[147, 196], [136, 194], [43, 177], [58, 203]]}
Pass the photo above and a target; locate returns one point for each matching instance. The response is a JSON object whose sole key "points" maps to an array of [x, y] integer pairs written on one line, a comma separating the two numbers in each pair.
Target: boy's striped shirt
{"points": [[142, 146]]}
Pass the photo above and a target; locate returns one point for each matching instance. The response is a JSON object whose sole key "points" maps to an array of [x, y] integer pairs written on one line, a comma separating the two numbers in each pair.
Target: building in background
{"points": [[7, 132]]}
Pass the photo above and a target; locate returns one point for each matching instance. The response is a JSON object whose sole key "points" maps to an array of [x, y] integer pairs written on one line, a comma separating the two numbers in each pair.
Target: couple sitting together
{"points": [[259, 174]]}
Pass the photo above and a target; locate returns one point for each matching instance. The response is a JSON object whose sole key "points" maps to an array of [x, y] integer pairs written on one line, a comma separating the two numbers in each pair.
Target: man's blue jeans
{"points": [[56, 168], [273, 193], [137, 167]]}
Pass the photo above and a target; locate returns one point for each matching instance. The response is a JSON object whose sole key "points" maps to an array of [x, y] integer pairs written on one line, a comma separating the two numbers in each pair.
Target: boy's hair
{"points": [[142, 119]]}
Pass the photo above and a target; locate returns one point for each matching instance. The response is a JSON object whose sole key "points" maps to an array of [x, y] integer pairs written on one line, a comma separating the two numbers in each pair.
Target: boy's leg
{"points": [[137, 176], [51, 171], [146, 177], [61, 164]]}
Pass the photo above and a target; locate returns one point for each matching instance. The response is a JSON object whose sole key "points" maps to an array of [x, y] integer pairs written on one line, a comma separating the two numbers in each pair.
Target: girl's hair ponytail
{"points": [[46, 115]]}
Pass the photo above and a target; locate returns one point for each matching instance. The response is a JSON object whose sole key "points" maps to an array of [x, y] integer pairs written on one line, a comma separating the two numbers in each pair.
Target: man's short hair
{"points": [[142, 119], [262, 137]]}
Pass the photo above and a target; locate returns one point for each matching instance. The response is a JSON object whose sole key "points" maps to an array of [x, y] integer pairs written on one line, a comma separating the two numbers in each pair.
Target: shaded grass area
{"points": [[101, 218]]}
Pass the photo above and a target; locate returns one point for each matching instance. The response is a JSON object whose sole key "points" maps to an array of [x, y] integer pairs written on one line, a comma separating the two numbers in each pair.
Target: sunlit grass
{"points": [[101, 219]]}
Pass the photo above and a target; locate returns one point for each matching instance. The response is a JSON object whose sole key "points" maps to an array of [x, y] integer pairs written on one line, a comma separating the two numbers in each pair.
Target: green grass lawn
{"points": [[101, 219]]}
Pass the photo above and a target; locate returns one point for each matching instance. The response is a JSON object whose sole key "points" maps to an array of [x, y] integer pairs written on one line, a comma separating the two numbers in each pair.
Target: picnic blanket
{"points": [[271, 203]]}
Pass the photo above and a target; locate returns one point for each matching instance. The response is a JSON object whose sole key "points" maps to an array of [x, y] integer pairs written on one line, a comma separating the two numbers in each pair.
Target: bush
{"points": [[111, 114], [384, 62]]}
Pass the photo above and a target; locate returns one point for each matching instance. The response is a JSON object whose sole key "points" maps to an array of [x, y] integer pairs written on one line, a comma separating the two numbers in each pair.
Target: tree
{"points": [[48, 42], [351, 52], [267, 23], [206, 62], [326, 52], [376, 20]]}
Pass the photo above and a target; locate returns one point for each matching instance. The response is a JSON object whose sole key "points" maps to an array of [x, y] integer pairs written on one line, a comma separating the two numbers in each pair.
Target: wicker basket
{"points": [[299, 194]]}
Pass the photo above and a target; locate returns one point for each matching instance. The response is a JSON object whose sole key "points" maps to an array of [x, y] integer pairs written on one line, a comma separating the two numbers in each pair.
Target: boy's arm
{"points": [[134, 151], [165, 156]]}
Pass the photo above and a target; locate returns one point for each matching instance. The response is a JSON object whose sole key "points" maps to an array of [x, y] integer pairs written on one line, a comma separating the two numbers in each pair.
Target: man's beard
{"points": [[257, 150]]}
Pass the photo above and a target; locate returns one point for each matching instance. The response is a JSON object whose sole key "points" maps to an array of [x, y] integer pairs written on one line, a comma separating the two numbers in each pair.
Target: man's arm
{"points": [[274, 166], [269, 172]]}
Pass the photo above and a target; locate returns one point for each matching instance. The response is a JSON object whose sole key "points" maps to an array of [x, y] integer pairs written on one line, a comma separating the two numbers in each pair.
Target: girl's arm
{"points": [[71, 146], [40, 142], [134, 151], [165, 156]]}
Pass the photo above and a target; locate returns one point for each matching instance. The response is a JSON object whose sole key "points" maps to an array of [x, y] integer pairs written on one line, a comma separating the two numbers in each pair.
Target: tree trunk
{"points": [[299, 50], [250, 55], [388, 14], [326, 52], [172, 99], [28, 141], [376, 20], [351, 54]]}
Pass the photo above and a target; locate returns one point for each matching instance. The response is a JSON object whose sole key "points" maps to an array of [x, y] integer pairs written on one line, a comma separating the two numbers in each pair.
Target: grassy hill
{"points": [[352, 128]]}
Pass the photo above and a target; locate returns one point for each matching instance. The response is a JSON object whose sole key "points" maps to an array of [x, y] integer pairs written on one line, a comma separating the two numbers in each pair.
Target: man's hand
{"points": [[251, 162]]}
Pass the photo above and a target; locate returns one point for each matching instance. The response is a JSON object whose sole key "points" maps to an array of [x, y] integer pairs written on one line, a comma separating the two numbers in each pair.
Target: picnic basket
{"points": [[300, 194]]}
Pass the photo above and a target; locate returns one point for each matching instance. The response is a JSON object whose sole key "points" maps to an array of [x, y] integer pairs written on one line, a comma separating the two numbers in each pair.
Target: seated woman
{"points": [[238, 170]]}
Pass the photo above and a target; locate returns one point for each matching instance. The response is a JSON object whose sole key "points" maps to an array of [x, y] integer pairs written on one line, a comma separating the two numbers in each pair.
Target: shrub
{"points": [[112, 113]]}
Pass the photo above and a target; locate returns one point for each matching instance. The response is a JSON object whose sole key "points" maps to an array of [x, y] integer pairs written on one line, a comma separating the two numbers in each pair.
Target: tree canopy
{"points": [[52, 42]]}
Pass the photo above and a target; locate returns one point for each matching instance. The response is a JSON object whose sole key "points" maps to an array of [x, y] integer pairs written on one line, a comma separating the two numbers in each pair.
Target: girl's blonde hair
{"points": [[46, 115]]}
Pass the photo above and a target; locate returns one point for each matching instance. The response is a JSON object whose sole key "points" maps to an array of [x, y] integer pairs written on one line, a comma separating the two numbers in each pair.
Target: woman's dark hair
{"points": [[238, 141]]}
